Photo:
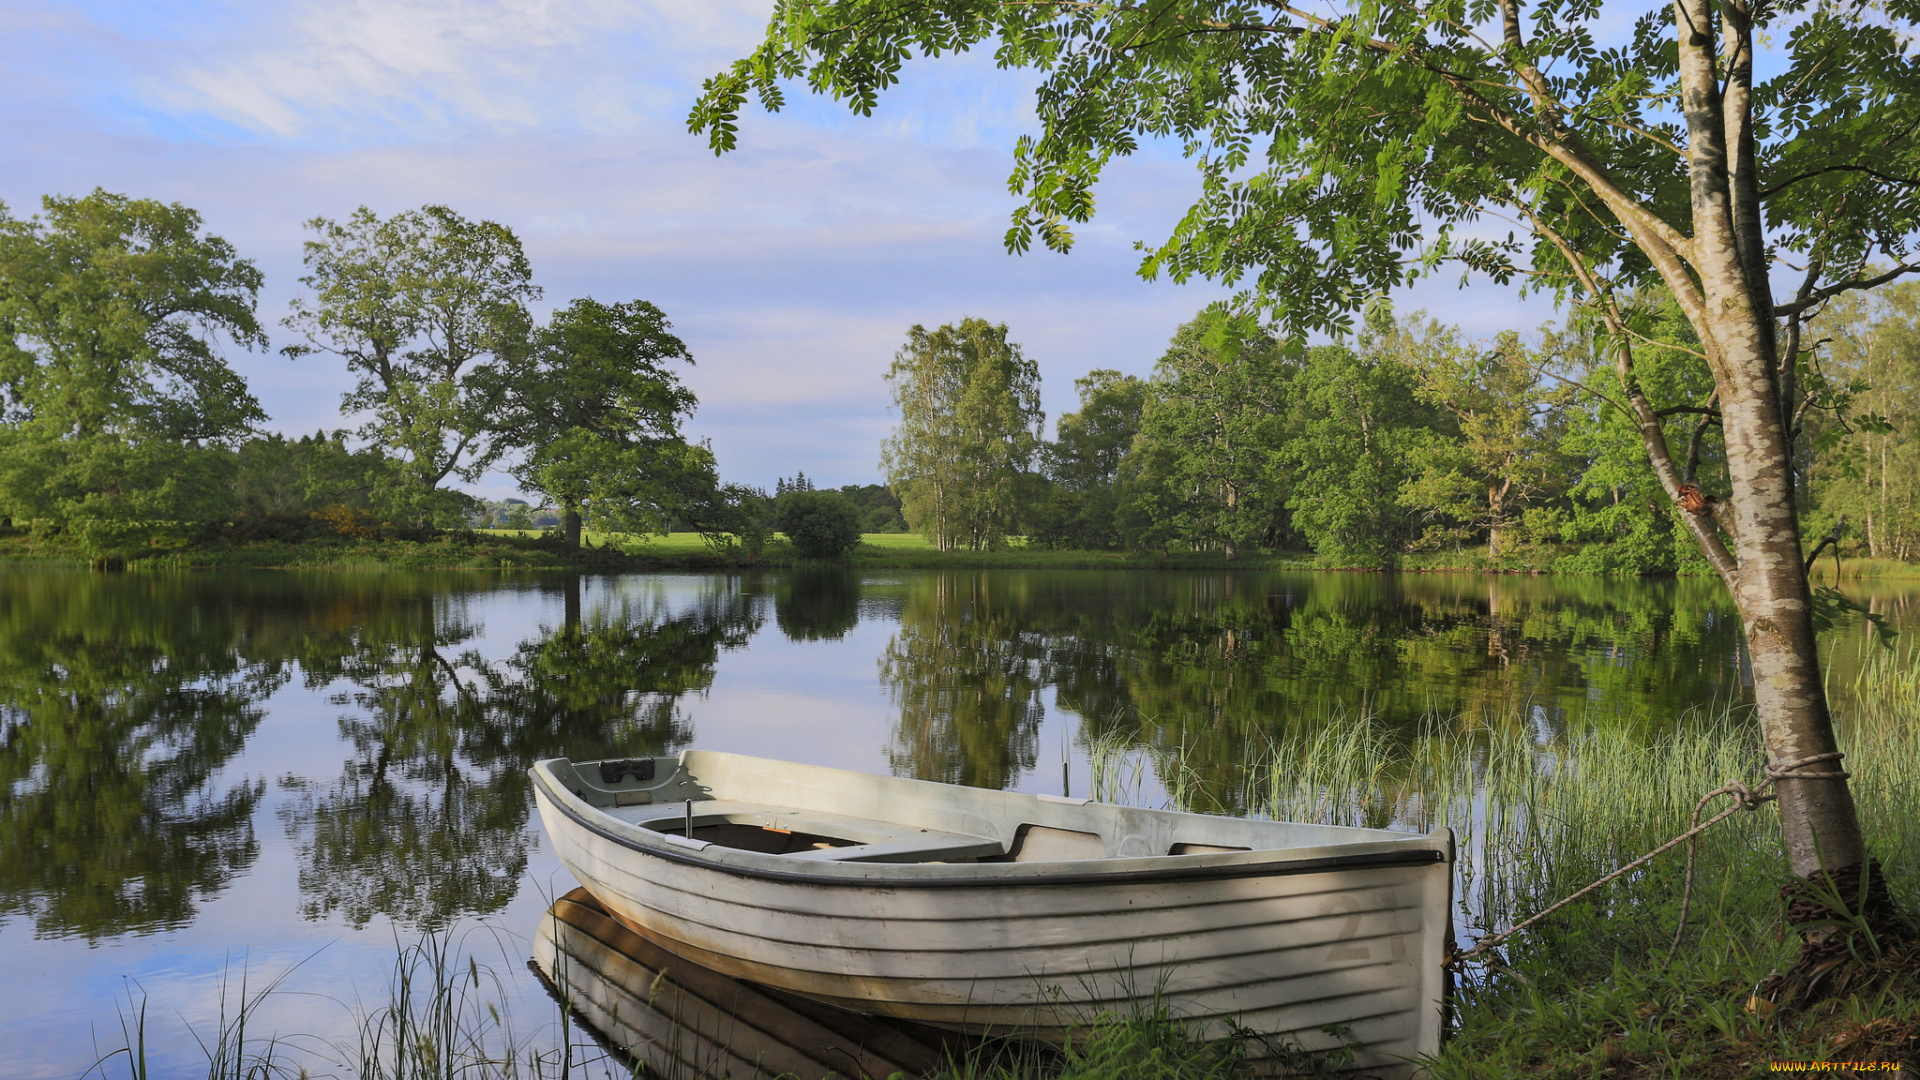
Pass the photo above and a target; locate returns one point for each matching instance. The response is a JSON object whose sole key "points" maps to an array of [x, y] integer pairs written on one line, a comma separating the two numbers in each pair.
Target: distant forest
{"points": [[123, 427], [1409, 439]]}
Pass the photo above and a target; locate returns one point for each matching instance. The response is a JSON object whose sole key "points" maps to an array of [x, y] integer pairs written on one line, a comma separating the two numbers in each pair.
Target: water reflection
{"points": [[674, 1018], [127, 702], [122, 701], [428, 820], [1217, 665], [122, 698], [817, 604], [965, 672]]}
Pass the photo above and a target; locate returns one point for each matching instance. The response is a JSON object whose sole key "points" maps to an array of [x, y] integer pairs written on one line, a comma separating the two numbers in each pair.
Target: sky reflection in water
{"points": [[213, 773]]}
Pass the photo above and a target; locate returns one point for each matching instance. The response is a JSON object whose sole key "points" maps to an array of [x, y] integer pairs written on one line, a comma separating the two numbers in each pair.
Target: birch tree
{"points": [[970, 424]]}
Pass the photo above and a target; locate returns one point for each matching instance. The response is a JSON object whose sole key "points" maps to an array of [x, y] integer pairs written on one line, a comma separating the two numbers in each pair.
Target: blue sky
{"points": [[792, 267]]}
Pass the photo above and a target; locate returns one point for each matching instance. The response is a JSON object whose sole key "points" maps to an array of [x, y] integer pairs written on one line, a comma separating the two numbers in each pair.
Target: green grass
{"points": [[1852, 569], [1148, 1045], [896, 542], [539, 549], [443, 1019]]}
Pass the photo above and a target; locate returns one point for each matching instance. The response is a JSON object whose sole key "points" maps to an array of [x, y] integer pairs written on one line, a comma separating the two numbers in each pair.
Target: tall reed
{"points": [[446, 1017], [1537, 815], [1880, 731]]}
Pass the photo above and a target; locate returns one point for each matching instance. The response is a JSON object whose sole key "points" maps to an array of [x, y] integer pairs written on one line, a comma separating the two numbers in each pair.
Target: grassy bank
{"points": [[530, 549], [493, 549], [911, 551], [454, 550], [1863, 570], [1601, 990]]}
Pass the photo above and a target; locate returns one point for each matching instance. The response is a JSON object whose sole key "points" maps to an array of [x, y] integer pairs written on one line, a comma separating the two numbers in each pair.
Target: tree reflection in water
{"points": [[817, 604], [126, 700], [123, 698], [1208, 668], [428, 821], [964, 671]]}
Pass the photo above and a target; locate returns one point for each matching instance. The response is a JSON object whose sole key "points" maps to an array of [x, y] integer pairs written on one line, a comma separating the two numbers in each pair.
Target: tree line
{"points": [[1410, 438], [123, 426]]}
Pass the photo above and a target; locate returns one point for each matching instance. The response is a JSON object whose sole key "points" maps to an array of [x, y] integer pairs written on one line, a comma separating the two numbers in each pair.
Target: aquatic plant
{"points": [[1541, 809], [446, 1017]]}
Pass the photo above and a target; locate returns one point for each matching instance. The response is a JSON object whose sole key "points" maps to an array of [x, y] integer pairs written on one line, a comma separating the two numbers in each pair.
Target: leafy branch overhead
{"points": [[1470, 132]]}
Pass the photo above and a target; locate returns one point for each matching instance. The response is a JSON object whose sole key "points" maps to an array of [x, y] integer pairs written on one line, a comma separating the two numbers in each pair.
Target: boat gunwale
{"points": [[1218, 866]]}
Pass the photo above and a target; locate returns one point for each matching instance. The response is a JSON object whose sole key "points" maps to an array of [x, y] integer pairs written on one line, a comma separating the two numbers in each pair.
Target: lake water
{"points": [[223, 774]]}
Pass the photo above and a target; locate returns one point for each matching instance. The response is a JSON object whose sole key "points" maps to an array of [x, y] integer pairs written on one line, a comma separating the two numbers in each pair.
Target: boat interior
{"points": [[811, 834], [662, 796]]}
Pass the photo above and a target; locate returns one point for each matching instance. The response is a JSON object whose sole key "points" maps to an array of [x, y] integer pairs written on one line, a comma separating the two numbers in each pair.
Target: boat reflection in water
{"points": [[685, 1022]]}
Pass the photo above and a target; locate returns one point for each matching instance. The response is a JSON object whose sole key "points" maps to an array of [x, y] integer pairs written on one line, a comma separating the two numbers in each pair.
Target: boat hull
{"points": [[680, 1020], [1286, 948]]}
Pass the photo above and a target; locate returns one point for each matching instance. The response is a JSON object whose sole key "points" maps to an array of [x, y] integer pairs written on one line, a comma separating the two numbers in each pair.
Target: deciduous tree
{"points": [[1508, 411], [1212, 430], [1358, 435], [1083, 462], [112, 311], [428, 310], [1869, 469], [970, 419], [820, 524], [597, 415]]}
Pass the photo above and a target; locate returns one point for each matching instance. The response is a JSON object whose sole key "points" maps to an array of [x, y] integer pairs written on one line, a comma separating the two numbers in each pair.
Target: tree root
{"points": [[1849, 941]]}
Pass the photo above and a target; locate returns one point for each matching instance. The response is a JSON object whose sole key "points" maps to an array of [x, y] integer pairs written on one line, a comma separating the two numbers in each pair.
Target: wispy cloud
{"points": [[379, 71]]}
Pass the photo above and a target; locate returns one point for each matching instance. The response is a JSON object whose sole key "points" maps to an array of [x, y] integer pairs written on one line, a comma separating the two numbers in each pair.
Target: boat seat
{"points": [[870, 840], [929, 847]]}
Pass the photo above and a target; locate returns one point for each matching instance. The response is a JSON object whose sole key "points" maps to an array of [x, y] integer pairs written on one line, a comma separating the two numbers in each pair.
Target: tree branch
{"points": [[1889, 178], [1808, 300], [1831, 540], [1652, 434], [1707, 416]]}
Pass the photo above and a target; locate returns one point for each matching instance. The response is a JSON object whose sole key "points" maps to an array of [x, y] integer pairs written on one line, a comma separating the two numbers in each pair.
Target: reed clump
{"points": [[1540, 810], [446, 1016]]}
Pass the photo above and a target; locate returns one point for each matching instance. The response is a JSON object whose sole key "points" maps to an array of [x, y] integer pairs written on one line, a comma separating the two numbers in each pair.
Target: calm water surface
{"points": [[214, 774]]}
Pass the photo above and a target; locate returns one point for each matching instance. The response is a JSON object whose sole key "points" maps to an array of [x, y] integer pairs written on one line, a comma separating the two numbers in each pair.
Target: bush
{"points": [[821, 524]]}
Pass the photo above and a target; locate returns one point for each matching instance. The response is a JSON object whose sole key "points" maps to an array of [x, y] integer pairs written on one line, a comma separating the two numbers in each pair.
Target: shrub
{"points": [[346, 521], [821, 524]]}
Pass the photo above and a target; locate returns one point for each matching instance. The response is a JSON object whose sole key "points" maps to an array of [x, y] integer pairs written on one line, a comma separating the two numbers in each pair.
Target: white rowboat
{"points": [[987, 910]]}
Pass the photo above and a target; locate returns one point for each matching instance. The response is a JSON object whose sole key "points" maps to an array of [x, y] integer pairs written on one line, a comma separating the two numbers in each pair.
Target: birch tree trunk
{"points": [[1816, 814], [1719, 277], [1733, 309]]}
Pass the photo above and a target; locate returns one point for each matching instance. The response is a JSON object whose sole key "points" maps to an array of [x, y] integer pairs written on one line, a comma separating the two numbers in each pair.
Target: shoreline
{"points": [[525, 551]]}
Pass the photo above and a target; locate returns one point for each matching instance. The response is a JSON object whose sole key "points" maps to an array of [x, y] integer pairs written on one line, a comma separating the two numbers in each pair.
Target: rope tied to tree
{"points": [[1744, 798]]}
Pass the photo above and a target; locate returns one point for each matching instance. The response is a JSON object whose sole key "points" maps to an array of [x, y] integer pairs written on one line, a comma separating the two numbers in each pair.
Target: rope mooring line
{"points": [[1791, 770], [1744, 798]]}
